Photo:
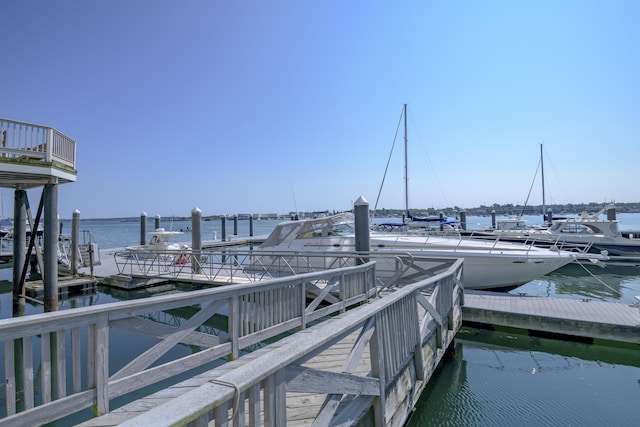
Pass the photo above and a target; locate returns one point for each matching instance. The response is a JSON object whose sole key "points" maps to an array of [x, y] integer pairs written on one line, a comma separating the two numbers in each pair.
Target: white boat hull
{"points": [[487, 265]]}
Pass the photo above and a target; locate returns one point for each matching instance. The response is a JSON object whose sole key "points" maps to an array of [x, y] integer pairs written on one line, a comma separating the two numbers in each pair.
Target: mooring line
{"points": [[599, 280]]}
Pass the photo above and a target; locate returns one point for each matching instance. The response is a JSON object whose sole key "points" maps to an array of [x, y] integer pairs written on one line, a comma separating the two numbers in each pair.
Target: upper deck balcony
{"points": [[33, 155]]}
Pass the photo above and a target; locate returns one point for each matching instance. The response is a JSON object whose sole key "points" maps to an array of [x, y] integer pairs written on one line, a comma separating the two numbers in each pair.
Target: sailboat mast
{"points": [[406, 167], [544, 208]]}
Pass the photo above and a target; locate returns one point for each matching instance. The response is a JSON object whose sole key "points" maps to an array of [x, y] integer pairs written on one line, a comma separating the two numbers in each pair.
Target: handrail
{"points": [[256, 312], [276, 370], [237, 265], [21, 140]]}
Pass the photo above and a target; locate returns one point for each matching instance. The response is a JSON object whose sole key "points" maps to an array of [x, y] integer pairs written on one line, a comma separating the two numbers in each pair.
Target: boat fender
{"points": [[182, 259]]}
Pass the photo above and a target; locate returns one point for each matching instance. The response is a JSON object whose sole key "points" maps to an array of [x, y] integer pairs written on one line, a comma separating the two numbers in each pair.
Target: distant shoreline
{"points": [[502, 210]]}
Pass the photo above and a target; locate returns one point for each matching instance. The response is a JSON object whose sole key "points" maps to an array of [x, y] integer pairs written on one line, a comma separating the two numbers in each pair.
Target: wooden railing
{"points": [[406, 333], [58, 363], [20, 140]]}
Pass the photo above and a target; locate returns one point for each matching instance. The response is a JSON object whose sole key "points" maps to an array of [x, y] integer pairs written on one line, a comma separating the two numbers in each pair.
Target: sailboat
{"points": [[487, 264]]}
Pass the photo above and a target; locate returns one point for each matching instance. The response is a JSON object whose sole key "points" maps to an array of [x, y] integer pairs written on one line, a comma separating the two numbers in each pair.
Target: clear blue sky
{"points": [[276, 106]]}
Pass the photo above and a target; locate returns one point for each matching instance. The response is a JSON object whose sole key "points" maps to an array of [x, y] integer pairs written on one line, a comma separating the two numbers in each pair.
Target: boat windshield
{"points": [[337, 225], [330, 227], [571, 228]]}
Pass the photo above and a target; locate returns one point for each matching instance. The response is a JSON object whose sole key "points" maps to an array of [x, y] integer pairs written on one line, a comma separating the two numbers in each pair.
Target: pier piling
{"points": [[75, 234], [361, 213], [50, 244], [19, 239], [143, 228], [196, 239]]}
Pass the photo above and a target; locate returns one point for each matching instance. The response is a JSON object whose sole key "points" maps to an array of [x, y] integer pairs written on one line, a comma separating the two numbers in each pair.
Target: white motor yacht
{"points": [[487, 264]]}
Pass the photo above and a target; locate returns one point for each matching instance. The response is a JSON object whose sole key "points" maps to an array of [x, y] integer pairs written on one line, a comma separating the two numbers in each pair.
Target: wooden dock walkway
{"points": [[346, 354], [331, 374], [593, 320], [301, 406]]}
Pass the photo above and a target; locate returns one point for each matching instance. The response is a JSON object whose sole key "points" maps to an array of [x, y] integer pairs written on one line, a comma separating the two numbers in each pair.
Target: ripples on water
{"points": [[484, 384]]}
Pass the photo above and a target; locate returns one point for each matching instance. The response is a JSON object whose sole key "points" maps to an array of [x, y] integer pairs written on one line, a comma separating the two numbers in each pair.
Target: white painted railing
{"points": [[59, 363], [20, 140]]}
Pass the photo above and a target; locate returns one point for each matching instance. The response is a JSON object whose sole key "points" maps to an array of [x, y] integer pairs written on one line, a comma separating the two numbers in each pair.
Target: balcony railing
{"points": [[20, 140]]}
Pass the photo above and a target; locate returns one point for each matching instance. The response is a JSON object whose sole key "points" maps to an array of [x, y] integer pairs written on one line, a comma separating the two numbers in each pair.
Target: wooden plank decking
{"points": [[582, 318], [301, 407]]}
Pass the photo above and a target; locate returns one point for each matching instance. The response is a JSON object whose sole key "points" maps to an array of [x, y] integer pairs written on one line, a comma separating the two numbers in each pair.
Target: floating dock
{"points": [[66, 286], [563, 317]]}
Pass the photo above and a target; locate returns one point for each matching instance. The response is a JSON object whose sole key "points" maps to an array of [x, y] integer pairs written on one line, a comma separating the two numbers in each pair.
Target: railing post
{"points": [[234, 326], [101, 373], [49, 146], [377, 353]]}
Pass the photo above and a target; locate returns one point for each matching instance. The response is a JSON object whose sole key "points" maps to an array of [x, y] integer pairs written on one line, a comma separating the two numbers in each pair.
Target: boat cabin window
{"points": [[511, 224], [571, 228], [323, 229]]}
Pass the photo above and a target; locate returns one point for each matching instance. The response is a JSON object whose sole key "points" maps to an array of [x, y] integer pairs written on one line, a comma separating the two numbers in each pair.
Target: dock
{"points": [[587, 319], [311, 347], [351, 353], [66, 286]]}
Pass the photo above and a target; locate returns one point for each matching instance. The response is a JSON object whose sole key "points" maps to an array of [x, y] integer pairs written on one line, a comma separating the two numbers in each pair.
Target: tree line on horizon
{"points": [[514, 210]]}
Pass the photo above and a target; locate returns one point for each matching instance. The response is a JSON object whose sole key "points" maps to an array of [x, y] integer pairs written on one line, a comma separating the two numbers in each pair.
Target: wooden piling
{"points": [[19, 239], [50, 244], [143, 228], [75, 234], [361, 213], [196, 239]]}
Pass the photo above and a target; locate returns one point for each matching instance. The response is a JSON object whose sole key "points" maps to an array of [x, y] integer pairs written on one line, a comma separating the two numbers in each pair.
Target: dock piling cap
{"points": [[360, 202]]}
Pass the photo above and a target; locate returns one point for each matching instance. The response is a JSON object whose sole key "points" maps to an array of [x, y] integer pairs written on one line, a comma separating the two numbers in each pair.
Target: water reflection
{"points": [[502, 379], [611, 283]]}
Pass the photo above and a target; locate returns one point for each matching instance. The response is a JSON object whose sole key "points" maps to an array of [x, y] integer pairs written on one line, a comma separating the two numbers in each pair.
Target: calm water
{"points": [[491, 378]]}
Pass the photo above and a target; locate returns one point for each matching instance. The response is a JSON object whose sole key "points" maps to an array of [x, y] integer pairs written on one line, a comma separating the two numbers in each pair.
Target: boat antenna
{"points": [[406, 166]]}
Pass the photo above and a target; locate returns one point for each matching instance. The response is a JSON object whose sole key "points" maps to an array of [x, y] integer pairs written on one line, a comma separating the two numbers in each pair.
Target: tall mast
{"points": [[544, 209], [406, 165]]}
